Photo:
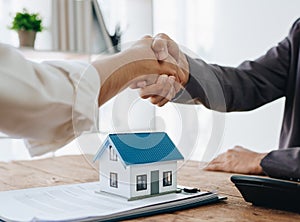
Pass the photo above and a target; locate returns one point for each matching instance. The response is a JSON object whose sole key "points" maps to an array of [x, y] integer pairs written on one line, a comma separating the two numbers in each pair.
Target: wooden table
{"points": [[78, 169]]}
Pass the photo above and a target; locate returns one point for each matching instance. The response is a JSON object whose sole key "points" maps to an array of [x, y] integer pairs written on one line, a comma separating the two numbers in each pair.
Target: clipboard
{"points": [[84, 202], [269, 192]]}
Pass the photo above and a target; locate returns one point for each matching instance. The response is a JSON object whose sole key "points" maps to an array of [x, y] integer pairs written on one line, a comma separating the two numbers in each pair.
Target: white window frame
{"points": [[141, 182], [113, 180], [112, 154], [167, 178]]}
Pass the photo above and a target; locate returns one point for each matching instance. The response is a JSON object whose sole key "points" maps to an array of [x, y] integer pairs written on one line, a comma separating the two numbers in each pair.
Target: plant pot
{"points": [[26, 38]]}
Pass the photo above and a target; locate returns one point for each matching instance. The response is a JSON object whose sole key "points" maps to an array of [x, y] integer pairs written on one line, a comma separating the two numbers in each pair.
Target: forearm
{"points": [[118, 71], [115, 73], [46, 103], [246, 87], [283, 163]]}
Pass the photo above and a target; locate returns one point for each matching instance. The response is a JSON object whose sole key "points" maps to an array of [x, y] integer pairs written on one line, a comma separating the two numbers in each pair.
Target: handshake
{"points": [[155, 65]]}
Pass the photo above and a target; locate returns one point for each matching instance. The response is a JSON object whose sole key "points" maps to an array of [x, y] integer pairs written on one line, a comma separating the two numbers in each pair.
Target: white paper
{"points": [[70, 203]]}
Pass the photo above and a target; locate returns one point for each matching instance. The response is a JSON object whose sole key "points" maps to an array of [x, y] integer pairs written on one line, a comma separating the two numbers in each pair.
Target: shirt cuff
{"points": [[192, 93]]}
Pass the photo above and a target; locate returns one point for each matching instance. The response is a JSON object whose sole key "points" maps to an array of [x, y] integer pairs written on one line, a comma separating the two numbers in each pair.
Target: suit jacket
{"points": [[252, 84]]}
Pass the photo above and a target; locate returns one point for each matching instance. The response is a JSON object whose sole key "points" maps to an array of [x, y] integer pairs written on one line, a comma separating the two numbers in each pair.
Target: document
{"points": [[84, 202]]}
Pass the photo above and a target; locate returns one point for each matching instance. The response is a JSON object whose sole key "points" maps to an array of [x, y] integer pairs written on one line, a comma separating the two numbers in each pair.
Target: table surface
{"points": [[78, 169]]}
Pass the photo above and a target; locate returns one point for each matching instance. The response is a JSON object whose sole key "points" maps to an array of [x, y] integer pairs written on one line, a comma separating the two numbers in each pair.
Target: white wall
{"points": [[106, 167], [134, 17], [139, 20], [226, 32], [246, 29], [146, 169]]}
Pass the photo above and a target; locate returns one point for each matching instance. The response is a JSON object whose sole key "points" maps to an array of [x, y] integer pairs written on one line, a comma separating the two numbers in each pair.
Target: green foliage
{"points": [[26, 21]]}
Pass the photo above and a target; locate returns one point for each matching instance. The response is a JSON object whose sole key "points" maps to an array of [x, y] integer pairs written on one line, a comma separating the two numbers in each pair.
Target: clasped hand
{"points": [[154, 65], [163, 88]]}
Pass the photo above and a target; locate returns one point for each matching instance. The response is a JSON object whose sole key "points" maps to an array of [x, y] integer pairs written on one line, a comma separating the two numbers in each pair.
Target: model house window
{"points": [[112, 154], [114, 180], [167, 181], [141, 182]]}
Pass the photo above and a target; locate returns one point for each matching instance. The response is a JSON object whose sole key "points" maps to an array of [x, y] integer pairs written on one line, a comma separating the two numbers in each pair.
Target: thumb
{"points": [[164, 44], [160, 48]]}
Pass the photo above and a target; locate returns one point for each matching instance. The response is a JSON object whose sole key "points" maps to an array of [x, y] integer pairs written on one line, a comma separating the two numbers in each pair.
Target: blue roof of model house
{"points": [[142, 148]]}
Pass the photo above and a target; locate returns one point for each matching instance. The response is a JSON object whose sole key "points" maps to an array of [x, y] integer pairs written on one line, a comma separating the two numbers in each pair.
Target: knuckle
{"points": [[154, 100], [162, 35], [166, 90], [147, 36], [230, 150], [160, 88]]}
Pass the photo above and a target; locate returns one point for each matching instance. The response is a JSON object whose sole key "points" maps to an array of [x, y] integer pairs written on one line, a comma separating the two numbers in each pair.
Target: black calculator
{"points": [[269, 192]]}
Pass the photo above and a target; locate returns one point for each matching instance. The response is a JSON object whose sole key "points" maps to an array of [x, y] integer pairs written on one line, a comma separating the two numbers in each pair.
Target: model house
{"points": [[137, 165]]}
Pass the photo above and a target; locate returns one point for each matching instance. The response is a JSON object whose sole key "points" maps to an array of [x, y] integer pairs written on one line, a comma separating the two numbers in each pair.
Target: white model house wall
{"points": [[146, 169], [108, 166]]}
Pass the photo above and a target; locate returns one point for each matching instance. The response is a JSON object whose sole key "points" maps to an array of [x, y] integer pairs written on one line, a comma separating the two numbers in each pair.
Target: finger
{"points": [[177, 87], [155, 99], [164, 100], [160, 48], [159, 100], [155, 90], [164, 44], [138, 85], [147, 37], [143, 81], [240, 148], [214, 167], [169, 60], [152, 90], [220, 158], [173, 50], [180, 75], [167, 94], [172, 92], [141, 84], [169, 44]]}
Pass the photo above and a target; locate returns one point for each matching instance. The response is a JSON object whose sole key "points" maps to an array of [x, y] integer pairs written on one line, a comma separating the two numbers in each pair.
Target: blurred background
{"points": [[225, 32]]}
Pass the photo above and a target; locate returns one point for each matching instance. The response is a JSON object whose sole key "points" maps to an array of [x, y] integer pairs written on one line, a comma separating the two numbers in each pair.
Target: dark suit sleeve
{"points": [[283, 164], [248, 86]]}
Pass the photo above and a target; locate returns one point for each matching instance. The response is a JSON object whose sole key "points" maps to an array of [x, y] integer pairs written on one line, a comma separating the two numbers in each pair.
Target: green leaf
{"points": [[27, 21]]}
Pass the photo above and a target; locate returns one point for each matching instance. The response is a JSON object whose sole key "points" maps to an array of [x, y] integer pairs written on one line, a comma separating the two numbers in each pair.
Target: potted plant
{"points": [[27, 25]]}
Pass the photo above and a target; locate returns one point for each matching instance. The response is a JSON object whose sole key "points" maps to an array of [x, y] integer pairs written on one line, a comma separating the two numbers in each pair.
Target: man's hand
{"points": [[164, 47], [162, 91], [238, 160], [165, 89], [135, 64]]}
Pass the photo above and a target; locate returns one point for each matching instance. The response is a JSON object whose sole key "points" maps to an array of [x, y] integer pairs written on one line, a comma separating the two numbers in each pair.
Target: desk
{"points": [[77, 169]]}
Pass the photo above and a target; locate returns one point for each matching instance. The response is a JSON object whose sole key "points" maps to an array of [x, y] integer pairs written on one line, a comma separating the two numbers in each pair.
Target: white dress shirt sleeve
{"points": [[48, 104]]}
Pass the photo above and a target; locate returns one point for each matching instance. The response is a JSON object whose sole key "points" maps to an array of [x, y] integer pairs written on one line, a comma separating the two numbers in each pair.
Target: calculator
{"points": [[269, 192]]}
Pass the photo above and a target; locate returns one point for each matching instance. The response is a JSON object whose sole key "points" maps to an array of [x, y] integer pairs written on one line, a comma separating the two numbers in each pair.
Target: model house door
{"points": [[154, 182]]}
